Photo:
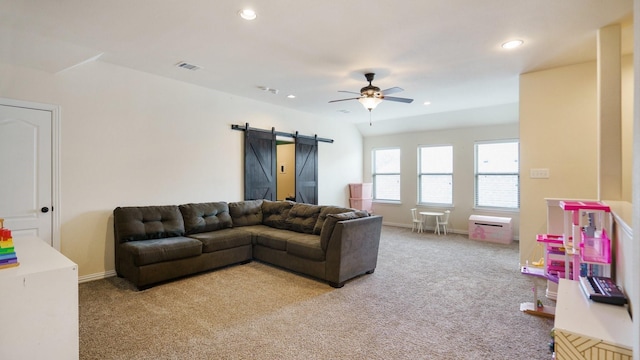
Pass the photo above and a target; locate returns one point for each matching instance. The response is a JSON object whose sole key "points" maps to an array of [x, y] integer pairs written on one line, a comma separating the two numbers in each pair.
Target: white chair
{"points": [[442, 221], [417, 221]]}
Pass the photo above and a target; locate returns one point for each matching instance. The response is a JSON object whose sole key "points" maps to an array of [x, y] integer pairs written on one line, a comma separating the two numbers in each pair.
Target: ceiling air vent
{"points": [[185, 65]]}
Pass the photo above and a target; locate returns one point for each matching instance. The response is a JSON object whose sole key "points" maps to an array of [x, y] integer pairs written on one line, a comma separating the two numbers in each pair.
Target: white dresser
{"points": [[39, 304], [589, 330]]}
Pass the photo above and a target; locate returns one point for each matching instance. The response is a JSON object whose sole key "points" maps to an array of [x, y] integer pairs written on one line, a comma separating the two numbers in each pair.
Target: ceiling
{"points": [[446, 52]]}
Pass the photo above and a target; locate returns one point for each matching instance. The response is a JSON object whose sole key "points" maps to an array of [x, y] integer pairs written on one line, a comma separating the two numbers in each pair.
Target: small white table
{"points": [[425, 215]]}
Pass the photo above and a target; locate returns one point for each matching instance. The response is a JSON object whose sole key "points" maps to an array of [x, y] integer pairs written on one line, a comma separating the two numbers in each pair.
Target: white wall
{"points": [[462, 141], [558, 131], [131, 138]]}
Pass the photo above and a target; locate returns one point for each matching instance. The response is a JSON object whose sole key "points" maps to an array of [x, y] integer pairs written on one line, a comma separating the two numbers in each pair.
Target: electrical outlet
{"points": [[539, 173]]}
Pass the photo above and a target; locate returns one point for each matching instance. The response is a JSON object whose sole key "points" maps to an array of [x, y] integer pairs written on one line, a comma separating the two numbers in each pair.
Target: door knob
{"points": [[45, 209]]}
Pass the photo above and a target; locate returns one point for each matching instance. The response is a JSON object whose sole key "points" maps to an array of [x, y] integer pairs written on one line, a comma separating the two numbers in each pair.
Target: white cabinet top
{"points": [[35, 256], [579, 315]]}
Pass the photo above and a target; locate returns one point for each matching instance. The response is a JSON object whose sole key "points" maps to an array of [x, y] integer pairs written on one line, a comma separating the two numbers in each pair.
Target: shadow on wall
{"points": [[87, 240], [109, 248]]}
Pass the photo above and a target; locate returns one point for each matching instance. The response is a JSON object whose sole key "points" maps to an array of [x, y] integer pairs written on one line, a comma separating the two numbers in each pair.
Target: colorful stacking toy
{"points": [[8, 257]]}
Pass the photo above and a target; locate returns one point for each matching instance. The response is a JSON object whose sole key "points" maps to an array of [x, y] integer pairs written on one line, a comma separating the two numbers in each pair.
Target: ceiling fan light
{"points": [[370, 103]]}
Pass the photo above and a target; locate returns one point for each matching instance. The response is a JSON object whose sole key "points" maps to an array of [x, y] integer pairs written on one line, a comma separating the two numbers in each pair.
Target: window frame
{"points": [[477, 174], [421, 174], [374, 174]]}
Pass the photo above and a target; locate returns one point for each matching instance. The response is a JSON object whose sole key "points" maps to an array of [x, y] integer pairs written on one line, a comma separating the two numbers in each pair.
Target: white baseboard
{"points": [[96, 276], [426, 229], [431, 228]]}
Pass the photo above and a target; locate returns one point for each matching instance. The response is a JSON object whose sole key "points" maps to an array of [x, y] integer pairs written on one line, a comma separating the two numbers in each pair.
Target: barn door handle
{"points": [[45, 209]]}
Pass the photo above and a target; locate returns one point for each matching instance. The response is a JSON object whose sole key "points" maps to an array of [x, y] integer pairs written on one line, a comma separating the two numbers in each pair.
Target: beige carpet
{"points": [[431, 297]]}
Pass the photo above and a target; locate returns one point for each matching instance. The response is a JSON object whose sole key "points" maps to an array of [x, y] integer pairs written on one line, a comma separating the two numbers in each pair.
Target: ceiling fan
{"points": [[371, 96]]}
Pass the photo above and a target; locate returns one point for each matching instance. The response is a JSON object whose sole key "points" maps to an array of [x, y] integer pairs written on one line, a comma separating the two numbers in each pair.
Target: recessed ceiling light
{"points": [[427, 103], [512, 44], [291, 96], [248, 14]]}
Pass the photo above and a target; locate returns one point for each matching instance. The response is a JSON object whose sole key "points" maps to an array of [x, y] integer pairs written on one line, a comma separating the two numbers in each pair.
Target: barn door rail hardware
{"points": [[295, 135]]}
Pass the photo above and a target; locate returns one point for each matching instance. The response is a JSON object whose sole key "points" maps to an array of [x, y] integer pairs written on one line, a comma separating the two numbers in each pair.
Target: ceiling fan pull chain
{"points": [[369, 117]]}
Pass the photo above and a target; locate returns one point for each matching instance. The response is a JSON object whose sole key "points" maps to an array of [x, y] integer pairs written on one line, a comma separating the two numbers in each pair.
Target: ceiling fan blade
{"points": [[344, 99], [398, 99], [392, 90], [349, 92]]}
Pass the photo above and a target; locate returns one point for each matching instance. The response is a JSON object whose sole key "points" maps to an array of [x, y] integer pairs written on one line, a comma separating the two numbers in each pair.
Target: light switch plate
{"points": [[539, 173]]}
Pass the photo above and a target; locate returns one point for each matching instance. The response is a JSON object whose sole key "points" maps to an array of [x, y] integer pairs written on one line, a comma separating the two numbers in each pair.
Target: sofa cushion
{"points": [[306, 246], [204, 217], [274, 238], [147, 222], [275, 213], [245, 213], [303, 217], [222, 239], [326, 210], [159, 250], [332, 220]]}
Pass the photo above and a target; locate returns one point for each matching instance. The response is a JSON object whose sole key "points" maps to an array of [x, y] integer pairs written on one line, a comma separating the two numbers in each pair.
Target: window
{"points": [[497, 174], [435, 172], [386, 174]]}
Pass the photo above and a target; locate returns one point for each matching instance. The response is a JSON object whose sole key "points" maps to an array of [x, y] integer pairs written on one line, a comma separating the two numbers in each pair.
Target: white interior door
{"points": [[25, 171]]}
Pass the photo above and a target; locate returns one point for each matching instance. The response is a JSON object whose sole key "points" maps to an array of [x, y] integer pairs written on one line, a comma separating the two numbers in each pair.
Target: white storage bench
{"points": [[490, 228]]}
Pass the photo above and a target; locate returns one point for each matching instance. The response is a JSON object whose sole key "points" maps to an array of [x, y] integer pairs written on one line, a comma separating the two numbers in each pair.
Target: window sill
{"points": [[390, 202], [436, 206], [496, 209]]}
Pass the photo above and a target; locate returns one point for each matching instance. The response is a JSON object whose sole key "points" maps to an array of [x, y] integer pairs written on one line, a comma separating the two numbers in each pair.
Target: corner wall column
{"points": [[635, 255], [609, 114]]}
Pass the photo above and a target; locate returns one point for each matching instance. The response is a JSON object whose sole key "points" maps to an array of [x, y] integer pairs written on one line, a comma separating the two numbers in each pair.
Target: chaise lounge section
{"points": [[159, 243]]}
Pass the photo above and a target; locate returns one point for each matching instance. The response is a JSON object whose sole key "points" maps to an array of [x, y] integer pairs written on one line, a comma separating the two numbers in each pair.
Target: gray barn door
{"points": [[307, 170], [259, 165]]}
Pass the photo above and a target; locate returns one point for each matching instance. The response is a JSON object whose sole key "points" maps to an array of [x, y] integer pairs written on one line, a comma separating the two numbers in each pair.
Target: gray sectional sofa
{"points": [[158, 243]]}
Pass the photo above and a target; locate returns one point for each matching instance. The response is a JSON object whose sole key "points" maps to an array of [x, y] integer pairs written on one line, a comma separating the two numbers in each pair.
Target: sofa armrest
{"points": [[353, 249]]}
